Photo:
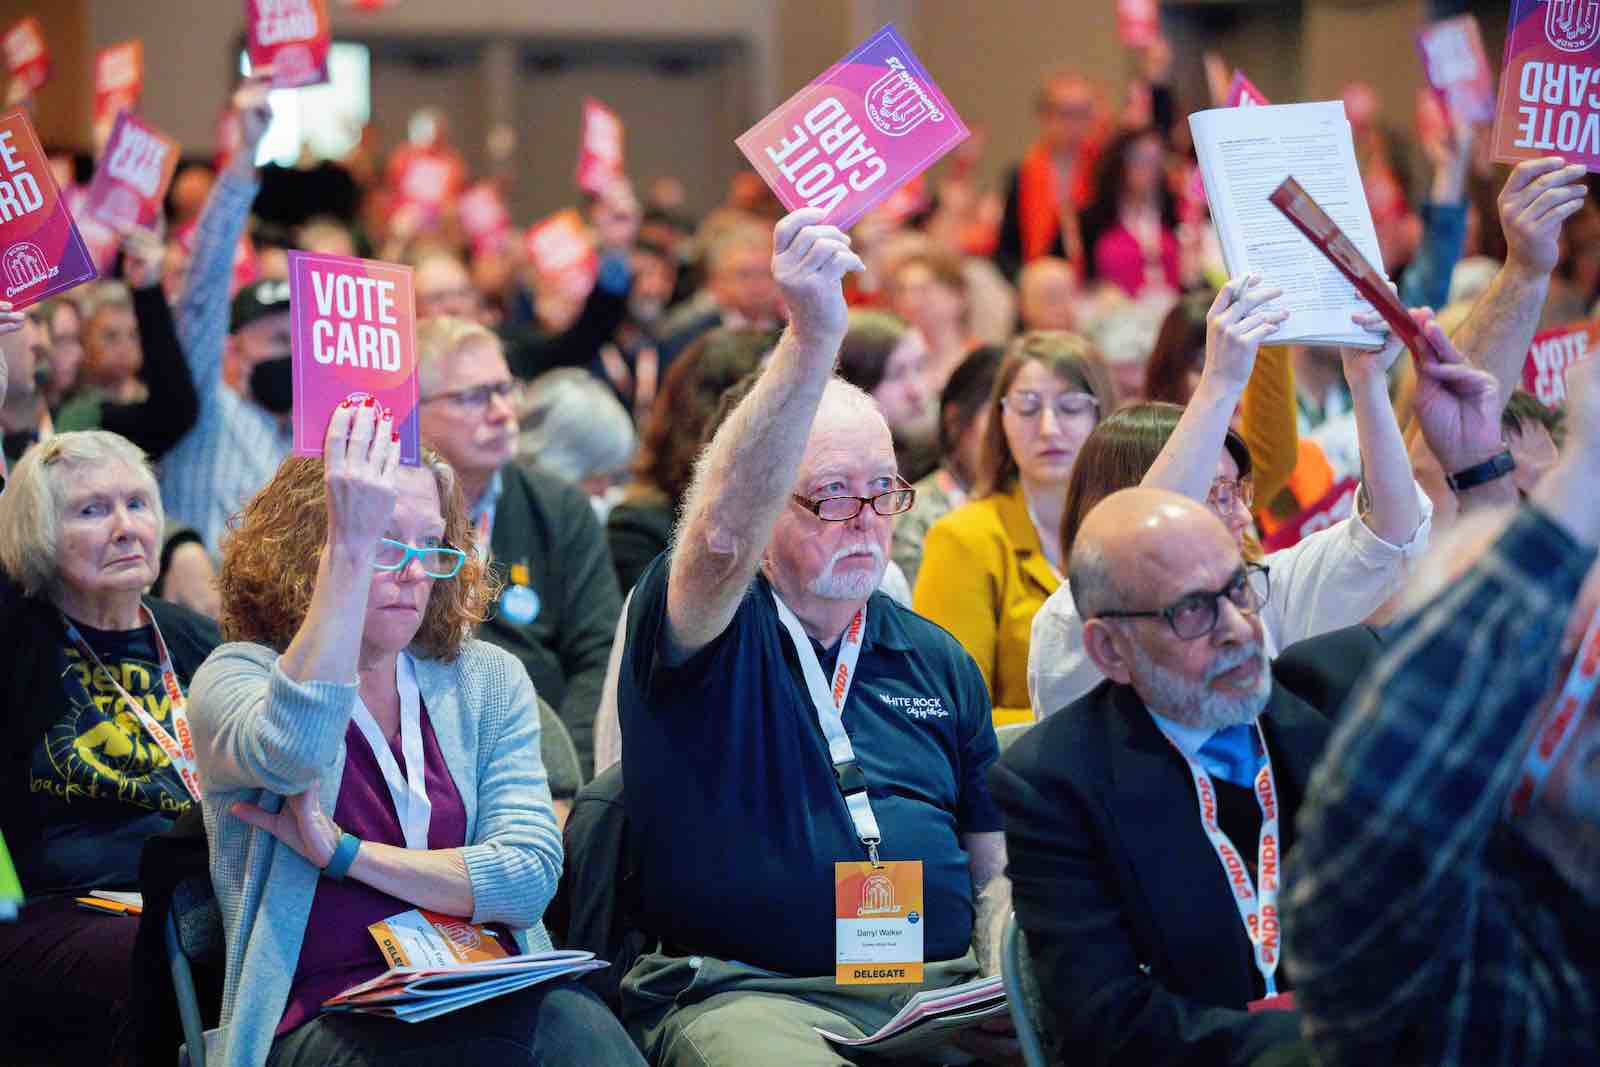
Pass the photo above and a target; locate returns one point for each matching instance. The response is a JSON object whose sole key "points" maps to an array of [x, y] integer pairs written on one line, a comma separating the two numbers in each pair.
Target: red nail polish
{"points": [[395, 437], [368, 402]]}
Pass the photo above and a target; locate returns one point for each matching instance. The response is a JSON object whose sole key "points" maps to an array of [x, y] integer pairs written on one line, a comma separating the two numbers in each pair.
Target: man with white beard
{"points": [[1146, 823], [804, 760]]}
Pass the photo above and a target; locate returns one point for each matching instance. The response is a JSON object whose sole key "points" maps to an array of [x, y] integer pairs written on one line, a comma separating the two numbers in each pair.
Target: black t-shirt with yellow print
{"points": [[99, 782]]}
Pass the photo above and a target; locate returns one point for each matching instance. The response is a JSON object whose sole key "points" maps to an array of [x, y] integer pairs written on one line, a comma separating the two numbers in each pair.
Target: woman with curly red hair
{"points": [[364, 756]]}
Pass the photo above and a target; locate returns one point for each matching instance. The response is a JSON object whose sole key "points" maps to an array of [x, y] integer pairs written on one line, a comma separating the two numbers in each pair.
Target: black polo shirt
{"points": [[738, 816]]}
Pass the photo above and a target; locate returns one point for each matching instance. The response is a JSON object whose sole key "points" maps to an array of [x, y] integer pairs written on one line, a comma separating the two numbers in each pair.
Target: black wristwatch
{"points": [[1487, 471]]}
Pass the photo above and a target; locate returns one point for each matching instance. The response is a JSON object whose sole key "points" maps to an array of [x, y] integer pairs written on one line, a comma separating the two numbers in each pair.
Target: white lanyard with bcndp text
{"points": [[1558, 724], [409, 791], [1257, 904], [178, 749]]}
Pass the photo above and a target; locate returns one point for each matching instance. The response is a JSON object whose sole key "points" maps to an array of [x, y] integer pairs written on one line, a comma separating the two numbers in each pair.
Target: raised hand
{"points": [[360, 456], [1362, 367], [1236, 326], [809, 262], [1540, 195], [1457, 405], [144, 254], [300, 823], [616, 217], [255, 115]]}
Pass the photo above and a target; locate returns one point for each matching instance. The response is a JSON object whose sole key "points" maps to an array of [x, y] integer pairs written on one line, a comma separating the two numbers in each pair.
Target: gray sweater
{"points": [[261, 737]]}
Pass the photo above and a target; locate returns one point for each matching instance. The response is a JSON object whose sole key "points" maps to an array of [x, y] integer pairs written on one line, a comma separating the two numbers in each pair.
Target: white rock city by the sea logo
{"points": [[896, 104], [1572, 25], [25, 267]]}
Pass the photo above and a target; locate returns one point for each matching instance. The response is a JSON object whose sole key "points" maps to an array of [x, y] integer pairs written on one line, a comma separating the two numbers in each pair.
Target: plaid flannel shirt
{"points": [[1421, 928], [236, 445]]}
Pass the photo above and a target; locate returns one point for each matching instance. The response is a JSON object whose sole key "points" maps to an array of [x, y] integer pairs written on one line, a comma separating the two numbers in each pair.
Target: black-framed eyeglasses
{"points": [[476, 398], [1195, 615], [845, 508], [438, 561]]}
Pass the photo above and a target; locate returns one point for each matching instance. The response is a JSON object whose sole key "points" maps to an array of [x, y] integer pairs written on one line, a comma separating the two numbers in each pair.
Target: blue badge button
{"points": [[519, 604], [913, 918]]}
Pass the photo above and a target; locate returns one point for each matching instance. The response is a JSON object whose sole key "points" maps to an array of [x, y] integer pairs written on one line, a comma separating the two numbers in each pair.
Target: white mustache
{"points": [[852, 550], [1229, 661]]}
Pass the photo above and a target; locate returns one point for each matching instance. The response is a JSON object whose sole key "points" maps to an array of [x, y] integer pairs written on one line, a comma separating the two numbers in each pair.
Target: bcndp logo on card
{"points": [[1572, 25], [26, 266], [897, 104]]}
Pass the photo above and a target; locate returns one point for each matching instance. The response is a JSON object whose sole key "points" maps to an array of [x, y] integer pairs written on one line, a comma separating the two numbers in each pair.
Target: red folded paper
{"points": [[1281, 1002], [1309, 218]]}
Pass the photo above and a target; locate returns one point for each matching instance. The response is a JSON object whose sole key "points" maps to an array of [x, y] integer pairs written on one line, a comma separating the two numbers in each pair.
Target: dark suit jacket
{"points": [[1133, 931], [547, 526]]}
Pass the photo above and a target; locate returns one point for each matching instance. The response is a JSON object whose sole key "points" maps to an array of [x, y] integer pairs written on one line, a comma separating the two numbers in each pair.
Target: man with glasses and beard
{"points": [[1146, 823], [793, 742]]}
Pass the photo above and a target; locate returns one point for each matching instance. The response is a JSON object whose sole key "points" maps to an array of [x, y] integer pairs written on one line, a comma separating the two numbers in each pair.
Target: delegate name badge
{"points": [[878, 923]]}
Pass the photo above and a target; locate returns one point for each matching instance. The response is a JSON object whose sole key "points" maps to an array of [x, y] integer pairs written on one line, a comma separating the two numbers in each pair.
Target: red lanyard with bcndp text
{"points": [[179, 749]]}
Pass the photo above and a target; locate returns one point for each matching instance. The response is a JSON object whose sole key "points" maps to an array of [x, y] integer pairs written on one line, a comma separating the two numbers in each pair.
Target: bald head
{"points": [[1045, 292], [1133, 541]]}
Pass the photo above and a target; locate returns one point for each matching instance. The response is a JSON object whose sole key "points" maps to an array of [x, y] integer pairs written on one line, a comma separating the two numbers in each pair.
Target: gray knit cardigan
{"points": [[261, 737]]}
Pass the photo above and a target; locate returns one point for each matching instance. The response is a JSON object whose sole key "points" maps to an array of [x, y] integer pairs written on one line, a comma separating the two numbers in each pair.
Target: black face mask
{"points": [[272, 384]]}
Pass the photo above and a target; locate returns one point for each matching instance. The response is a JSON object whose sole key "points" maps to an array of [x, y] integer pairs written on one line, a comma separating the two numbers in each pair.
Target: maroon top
{"points": [[337, 950]]}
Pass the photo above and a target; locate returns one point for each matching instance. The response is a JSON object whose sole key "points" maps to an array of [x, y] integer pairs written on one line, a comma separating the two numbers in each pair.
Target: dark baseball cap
{"points": [[258, 300]]}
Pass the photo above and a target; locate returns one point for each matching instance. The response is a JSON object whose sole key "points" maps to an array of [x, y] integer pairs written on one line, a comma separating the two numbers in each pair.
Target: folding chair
{"points": [[193, 934], [1022, 993]]}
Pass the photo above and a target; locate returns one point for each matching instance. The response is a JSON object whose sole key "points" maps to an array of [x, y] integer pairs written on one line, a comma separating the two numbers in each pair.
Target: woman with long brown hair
{"points": [[988, 566]]}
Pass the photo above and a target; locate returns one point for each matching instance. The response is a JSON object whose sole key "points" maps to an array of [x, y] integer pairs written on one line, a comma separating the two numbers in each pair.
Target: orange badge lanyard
{"points": [[179, 749]]}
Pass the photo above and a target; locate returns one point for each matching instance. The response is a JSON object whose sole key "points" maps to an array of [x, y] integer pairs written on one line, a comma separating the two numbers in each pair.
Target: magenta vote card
{"points": [[1547, 103], [355, 335], [41, 251], [860, 130]]}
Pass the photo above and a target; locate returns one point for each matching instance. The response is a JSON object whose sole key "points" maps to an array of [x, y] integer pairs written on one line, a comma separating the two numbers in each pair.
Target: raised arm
{"points": [[1236, 326], [746, 474], [1538, 198], [1457, 407], [1394, 513]]}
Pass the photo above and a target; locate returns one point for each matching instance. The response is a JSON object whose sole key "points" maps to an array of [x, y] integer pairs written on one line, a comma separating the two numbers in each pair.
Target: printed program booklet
{"points": [[1245, 154], [930, 1020]]}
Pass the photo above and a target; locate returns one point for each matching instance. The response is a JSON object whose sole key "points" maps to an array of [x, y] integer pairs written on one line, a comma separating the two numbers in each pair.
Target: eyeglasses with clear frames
{"points": [[844, 508], [438, 561], [1029, 405], [1195, 615], [477, 398], [1225, 492]]}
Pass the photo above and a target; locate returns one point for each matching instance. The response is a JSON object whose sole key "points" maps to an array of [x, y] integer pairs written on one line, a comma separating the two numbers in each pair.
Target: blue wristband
{"points": [[344, 854]]}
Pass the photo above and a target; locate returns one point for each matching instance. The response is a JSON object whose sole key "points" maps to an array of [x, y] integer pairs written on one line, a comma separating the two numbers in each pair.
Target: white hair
{"points": [[30, 508], [574, 426]]}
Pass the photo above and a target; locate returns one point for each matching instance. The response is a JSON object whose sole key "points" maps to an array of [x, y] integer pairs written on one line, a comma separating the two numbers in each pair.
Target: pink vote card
{"points": [[1544, 373], [1548, 99], [1242, 92], [118, 78], [1457, 68], [599, 147], [131, 179], [41, 251], [355, 335], [291, 37], [863, 128]]}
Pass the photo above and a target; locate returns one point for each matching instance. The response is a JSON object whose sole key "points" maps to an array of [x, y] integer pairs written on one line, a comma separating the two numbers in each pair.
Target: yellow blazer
{"points": [[983, 577]]}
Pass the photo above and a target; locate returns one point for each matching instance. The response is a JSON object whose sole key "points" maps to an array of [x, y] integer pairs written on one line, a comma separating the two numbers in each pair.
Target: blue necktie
{"points": [[1230, 754]]}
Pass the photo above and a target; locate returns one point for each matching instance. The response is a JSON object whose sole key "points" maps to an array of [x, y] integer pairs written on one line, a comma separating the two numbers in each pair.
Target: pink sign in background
{"points": [[1457, 68], [859, 131], [130, 181], [1548, 94], [27, 56], [1242, 92], [1138, 22], [1544, 374], [599, 147], [41, 252], [118, 78], [290, 36], [355, 332]]}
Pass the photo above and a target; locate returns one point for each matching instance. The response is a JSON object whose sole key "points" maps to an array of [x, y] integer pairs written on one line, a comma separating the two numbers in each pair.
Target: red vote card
{"points": [[599, 147], [118, 78], [1549, 89], [291, 37], [1336, 505], [41, 251], [1138, 22], [1552, 352], [561, 251], [484, 217], [27, 56], [131, 179]]}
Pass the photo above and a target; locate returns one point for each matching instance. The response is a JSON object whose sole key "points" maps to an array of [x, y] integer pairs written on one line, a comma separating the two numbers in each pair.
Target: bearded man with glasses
{"points": [[1146, 823]]}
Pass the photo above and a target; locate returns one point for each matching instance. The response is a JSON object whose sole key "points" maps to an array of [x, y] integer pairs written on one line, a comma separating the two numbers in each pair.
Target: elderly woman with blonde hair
{"points": [[95, 723], [365, 757]]}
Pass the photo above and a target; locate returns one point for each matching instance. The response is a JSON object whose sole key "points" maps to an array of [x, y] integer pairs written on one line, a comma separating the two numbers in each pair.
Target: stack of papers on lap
{"points": [[930, 1019], [414, 994]]}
